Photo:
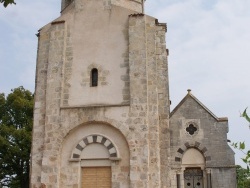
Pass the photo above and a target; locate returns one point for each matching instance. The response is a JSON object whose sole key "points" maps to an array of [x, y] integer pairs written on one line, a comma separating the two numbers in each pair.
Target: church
{"points": [[102, 114]]}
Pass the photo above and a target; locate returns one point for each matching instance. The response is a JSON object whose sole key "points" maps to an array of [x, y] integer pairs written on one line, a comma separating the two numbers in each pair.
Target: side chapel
{"points": [[102, 111]]}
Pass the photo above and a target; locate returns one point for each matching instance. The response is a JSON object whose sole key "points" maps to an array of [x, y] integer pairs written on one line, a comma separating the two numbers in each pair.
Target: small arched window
{"points": [[94, 77]]}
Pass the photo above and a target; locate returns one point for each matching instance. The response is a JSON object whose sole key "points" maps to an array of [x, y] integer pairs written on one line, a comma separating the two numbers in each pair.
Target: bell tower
{"points": [[101, 109]]}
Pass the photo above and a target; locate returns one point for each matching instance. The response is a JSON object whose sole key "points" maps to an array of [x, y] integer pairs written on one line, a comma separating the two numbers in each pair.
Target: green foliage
{"points": [[241, 145], [245, 115], [7, 2], [16, 114], [243, 177]]}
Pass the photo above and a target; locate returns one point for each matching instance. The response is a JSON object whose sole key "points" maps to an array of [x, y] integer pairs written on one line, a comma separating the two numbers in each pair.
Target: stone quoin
{"points": [[102, 111]]}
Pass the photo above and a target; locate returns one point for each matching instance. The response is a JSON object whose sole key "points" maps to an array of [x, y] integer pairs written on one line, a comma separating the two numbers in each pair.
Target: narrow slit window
{"points": [[94, 77]]}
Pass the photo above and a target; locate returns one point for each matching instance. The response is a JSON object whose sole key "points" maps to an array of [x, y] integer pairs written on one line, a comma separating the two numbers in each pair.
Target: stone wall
{"points": [[192, 125], [98, 41], [223, 177], [39, 108], [135, 5], [131, 108]]}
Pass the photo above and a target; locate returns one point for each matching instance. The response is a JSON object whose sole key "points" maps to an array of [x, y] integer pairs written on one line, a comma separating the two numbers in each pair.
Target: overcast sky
{"points": [[208, 40]]}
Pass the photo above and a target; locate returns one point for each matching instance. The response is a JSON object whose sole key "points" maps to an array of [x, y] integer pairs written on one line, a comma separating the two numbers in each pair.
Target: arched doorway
{"points": [[193, 164], [94, 155], [96, 164]]}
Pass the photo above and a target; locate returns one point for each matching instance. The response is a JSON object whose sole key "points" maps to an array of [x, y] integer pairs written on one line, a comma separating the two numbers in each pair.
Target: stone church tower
{"points": [[102, 114]]}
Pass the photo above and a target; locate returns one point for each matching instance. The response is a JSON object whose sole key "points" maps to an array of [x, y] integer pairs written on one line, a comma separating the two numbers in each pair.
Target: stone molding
{"points": [[76, 153], [97, 106], [196, 145]]}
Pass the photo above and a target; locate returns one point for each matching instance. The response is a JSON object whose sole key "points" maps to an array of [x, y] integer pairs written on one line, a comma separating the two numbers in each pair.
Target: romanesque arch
{"points": [[192, 158], [94, 139], [94, 146], [197, 145]]}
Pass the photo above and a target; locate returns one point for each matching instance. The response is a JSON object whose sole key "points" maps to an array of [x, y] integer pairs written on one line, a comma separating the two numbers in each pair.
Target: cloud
{"points": [[30, 14], [18, 44], [211, 42], [208, 41], [209, 53]]}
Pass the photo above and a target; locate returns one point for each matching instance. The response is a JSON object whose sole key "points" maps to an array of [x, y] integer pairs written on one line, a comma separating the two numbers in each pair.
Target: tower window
{"points": [[94, 77]]}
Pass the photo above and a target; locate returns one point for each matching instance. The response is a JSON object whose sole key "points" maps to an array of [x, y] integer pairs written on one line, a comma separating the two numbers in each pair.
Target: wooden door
{"points": [[193, 178], [96, 177]]}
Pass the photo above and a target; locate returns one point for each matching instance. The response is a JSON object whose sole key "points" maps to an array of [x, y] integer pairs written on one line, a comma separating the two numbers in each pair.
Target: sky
{"points": [[208, 41]]}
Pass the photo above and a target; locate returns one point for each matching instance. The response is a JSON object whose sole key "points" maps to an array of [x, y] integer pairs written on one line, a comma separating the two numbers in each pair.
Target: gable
{"points": [[191, 106]]}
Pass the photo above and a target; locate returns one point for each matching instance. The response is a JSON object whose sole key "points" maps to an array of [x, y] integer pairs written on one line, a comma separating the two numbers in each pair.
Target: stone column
{"points": [[178, 180], [209, 183]]}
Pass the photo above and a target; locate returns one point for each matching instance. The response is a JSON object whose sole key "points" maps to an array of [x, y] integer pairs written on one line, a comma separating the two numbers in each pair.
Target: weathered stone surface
{"points": [[123, 122], [210, 139]]}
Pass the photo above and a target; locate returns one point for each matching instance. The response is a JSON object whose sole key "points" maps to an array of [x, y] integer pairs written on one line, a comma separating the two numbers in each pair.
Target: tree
{"points": [[246, 159], [16, 114], [243, 177], [7, 2], [241, 145]]}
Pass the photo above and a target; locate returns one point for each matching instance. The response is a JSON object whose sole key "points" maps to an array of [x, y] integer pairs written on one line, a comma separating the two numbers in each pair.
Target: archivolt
{"points": [[76, 153], [197, 146]]}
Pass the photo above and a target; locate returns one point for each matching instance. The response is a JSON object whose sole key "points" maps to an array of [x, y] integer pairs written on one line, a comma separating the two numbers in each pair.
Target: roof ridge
{"points": [[189, 94]]}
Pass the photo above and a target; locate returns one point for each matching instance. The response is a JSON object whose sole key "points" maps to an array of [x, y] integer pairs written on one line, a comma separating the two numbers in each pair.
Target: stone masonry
{"points": [[124, 123], [208, 135]]}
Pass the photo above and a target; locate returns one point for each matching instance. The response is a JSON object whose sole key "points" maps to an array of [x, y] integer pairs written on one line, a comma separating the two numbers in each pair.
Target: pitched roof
{"points": [[190, 95]]}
